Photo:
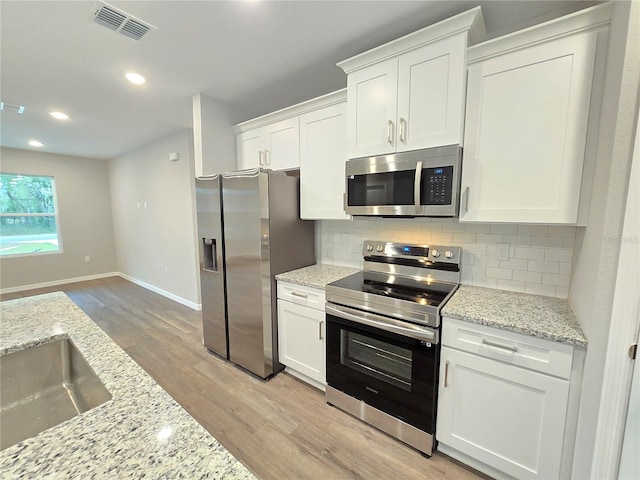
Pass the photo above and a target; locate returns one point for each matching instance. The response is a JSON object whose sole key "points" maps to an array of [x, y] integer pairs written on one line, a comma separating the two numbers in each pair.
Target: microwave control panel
{"points": [[437, 185]]}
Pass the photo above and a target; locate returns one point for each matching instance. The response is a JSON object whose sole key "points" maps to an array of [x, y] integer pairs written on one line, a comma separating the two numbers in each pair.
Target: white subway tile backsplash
{"points": [[441, 237], [558, 255], [539, 255], [529, 253], [547, 242], [519, 240], [526, 276], [482, 238], [514, 263], [533, 230], [543, 266], [478, 227], [487, 261], [475, 249], [453, 227], [540, 289], [502, 273], [485, 282], [511, 286], [556, 279], [504, 229], [562, 231], [464, 238], [564, 268]]}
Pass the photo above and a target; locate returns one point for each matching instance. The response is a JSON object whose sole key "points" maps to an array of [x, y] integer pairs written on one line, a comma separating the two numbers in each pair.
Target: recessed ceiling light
{"points": [[59, 115], [135, 78], [35, 143]]}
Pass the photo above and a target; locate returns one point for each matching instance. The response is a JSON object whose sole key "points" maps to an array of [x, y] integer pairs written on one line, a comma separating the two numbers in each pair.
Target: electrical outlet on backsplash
{"points": [[539, 260]]}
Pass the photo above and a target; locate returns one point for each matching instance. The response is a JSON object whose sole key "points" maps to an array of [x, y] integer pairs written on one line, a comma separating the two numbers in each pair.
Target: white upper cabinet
{"points": [[409, 94], [275, 146], [323, 152], [372, 99], [529, 105]]}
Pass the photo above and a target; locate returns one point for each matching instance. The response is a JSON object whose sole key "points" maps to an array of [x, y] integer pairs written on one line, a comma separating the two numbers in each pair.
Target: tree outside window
{"points": [[28, 215]]}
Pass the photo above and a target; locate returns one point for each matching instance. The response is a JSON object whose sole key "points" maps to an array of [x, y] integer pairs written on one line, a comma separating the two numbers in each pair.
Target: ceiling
{"points": [[258, 56]]}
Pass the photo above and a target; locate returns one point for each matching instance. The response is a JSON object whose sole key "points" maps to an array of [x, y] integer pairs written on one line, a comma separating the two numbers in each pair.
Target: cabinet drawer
{"points": [[536, 354], [309, 297]]}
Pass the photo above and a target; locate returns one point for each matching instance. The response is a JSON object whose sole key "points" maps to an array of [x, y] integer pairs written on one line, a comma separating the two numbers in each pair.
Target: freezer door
{"points": [[246, 230], [211, 247]]}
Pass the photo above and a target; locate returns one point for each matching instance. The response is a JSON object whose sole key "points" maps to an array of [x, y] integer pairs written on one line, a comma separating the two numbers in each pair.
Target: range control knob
{"points": [[379, 248], [435, 253], [369, 247], [449, 254]]}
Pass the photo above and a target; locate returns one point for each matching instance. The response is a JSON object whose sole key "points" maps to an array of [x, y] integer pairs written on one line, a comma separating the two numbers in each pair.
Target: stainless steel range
{"points": [[383, 337]]}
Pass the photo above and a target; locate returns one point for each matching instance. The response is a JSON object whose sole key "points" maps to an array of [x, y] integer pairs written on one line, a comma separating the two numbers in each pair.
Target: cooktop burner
{"points": [[409, 282]]}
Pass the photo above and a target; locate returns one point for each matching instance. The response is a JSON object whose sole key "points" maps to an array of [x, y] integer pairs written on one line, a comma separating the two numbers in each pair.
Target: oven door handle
{"points": [[378, 321]]}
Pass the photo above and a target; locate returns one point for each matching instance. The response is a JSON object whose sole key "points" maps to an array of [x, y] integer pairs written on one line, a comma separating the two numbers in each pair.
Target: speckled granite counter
{"points": [[544, 317], [316, 276], [140, 432]]}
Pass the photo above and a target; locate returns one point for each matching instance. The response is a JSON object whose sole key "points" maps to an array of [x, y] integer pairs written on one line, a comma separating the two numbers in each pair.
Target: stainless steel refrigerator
{"points": [[249, 230]]}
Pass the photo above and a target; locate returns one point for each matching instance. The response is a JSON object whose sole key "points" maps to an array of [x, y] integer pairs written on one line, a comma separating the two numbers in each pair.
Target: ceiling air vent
{"points": [[121, 22], [12, 107]]}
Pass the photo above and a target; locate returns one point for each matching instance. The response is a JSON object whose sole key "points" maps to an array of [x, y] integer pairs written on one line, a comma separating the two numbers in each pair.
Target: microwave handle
{"points": [[416, 187]]}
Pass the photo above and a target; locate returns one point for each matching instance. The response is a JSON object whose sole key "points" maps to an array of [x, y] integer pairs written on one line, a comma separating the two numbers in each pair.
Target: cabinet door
{"points": [[323, 152], [431, 92], [525, 133], [282, 145], [372, 99], [301, 341], [507, 417], [250, 149]]}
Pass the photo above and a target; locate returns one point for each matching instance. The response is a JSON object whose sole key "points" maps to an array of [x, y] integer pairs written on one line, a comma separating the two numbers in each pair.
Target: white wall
{"points": [[155, 244], [85, 226], [598, 245], [540, 255], [214, 140]]}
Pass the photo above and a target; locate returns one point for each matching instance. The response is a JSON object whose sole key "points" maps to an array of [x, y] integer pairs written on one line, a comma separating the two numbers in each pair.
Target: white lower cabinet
{"points": [[301, 333], [493, 413]]}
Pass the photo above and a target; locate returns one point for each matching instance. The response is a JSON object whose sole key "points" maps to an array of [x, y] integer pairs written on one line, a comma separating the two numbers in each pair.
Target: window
{"points": [[28, 215]]}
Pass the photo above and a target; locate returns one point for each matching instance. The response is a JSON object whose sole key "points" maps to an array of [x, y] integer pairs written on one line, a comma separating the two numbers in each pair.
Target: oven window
{"points": [[379, 189], [378, 359]]}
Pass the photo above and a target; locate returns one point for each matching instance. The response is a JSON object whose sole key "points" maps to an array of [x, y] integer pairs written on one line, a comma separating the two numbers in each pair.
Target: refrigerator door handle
{"points": [[251, 172]]}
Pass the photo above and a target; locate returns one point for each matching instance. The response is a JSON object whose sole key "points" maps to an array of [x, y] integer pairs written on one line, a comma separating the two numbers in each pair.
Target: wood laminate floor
{"points": [[280, 429]]}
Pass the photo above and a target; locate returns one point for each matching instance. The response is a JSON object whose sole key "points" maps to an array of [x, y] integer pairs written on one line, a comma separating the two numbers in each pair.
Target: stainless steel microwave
{"points": [[420, 183]]}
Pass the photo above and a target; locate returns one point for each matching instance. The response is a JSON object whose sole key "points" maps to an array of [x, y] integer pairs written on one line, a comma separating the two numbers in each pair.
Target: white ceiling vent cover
{"points": [[121, 22]]}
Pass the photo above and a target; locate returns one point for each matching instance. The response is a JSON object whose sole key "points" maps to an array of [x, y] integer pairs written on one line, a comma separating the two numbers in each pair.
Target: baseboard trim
{"points": [[164, 293], [53, 283]]}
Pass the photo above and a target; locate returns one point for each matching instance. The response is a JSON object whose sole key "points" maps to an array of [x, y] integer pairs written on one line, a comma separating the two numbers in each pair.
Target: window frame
{"points": [[55, 214]]}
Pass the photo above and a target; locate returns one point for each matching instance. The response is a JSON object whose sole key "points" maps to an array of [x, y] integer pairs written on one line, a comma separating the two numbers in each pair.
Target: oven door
{"points": [[387, 368]]}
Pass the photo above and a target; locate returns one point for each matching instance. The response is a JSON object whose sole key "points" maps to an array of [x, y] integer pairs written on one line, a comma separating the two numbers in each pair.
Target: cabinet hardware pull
{"points": [[296, 294], [465, 200], [403, 126], [261, 157], [511, 348], [320, 337], [446, 374], [267, 157], [390, 132]]}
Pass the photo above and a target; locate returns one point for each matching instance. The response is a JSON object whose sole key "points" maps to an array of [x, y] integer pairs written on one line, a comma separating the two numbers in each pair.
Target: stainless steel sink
{"points": [[43, 386]]}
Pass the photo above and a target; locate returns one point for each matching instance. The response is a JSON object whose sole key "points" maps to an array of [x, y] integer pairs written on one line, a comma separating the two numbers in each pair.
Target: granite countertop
{"points": [[140, 432], [544, 317], [316, 276]]}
